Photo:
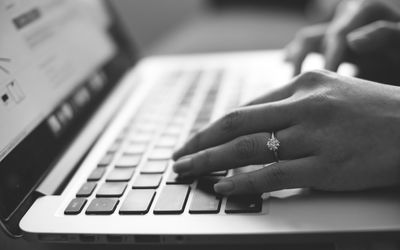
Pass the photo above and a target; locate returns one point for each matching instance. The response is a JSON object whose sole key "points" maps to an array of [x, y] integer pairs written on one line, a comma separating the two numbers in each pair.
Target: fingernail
{"points": [[224, 187], [183, 165]]}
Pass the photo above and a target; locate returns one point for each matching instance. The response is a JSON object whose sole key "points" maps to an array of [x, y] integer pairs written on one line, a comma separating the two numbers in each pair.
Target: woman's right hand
{"points": [[364, 32]]}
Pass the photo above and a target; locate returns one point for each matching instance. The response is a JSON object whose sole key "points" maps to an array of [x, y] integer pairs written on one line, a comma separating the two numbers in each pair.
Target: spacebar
{"points": [[172, 199]]}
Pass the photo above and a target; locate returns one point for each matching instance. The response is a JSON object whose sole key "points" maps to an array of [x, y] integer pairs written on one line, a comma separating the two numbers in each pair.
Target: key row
{"points": [[172, 200], [130, 160], [151, 167]]}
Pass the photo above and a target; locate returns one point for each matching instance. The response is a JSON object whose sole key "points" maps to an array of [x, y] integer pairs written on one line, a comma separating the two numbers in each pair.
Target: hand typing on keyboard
{"points": [[335, 133], [365, 33]]}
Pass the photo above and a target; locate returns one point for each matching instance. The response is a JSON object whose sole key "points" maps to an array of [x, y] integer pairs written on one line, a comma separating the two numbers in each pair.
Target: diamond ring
{"points": [[273, 145]]}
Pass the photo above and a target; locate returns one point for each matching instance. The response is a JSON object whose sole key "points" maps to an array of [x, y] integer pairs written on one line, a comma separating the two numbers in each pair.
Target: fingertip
{"points": [[224, 187], [183, 165], [178, 153], [175, 156]]}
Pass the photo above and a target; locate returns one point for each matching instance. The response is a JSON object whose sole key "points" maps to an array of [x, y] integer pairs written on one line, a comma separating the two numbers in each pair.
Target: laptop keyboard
{"points": [[132, 178]]}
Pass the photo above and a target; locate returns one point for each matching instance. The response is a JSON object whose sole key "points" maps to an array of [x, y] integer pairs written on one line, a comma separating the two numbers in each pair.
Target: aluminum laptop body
{"points": [[118, 99]]}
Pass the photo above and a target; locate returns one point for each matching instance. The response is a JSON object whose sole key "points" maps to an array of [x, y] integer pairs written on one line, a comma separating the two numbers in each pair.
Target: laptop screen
{"points": [[47, 48], [58, 60]]}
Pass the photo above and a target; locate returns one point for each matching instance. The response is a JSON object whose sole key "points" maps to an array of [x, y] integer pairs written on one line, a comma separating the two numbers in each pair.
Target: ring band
{"points": [[273, 145]]}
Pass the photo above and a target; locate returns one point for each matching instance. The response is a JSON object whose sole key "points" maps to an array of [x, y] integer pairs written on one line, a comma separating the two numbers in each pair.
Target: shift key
{"points": [[172, 199]]}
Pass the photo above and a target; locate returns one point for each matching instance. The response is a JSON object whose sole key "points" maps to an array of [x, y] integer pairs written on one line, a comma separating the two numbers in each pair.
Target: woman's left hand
{"points": [[335, 133]]}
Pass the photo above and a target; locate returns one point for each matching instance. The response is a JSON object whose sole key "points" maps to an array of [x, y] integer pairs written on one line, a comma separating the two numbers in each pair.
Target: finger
{"points": [[242, 151], [349, 16], [275, 95], [375, 36], [247, 120], [335, 47], [297, 173], [306, 41], [346, 14]]}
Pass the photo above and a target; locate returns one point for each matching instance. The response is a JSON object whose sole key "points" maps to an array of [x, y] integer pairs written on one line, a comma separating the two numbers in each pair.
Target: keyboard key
{"points": [[147, 181], [106, 160], [174, 178], [151, 117], [140, 137], [114, 147], [138, 201], [124, 133], [111, 189], [243, 204], [102, 206], [96, 174], [179, 121], [169, 141], [120, 174], [135, 148], [205, 203], [86, 190], [145, 127], [128, 161], [205, 200], [182, 111], [154, 167], [161, 153], [172, 199], [173, 129], [75, 206]]}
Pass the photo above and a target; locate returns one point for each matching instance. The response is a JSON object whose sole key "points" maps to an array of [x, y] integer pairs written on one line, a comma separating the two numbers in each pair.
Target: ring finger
{"points": [[242, 151]]}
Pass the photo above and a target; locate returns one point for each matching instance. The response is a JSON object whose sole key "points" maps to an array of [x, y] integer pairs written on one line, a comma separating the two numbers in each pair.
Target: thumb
{"points": [[380, 35]]}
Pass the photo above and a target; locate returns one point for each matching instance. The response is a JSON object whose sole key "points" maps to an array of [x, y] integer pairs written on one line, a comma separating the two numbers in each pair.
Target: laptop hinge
{"points": [[11, 225]]}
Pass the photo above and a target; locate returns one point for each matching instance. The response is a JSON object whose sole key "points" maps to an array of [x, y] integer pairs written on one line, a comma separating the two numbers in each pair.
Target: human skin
{"points": [[336, 133], [363, 32]]}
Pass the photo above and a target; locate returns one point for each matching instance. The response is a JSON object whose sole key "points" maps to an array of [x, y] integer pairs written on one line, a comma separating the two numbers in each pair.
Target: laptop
{"points": [[88, 129]]}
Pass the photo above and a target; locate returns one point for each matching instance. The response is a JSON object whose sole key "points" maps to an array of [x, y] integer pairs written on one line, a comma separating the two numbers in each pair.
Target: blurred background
{"points": [[197, 26]]}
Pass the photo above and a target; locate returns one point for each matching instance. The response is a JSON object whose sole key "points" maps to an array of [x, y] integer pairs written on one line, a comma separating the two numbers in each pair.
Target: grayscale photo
{"points": [[200, 124]]}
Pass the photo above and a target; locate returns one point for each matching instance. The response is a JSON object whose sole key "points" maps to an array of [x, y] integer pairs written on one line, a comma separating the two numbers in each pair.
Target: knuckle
{"points": [[245, 147], [232, 121], [312, 78]]}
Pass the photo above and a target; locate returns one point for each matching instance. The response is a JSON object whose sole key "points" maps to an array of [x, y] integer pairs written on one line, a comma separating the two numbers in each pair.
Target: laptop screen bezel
{"points": [[29, 162]]}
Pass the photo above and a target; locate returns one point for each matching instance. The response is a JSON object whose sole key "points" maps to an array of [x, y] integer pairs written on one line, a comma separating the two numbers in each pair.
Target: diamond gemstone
{"points": [[273, 144]]}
